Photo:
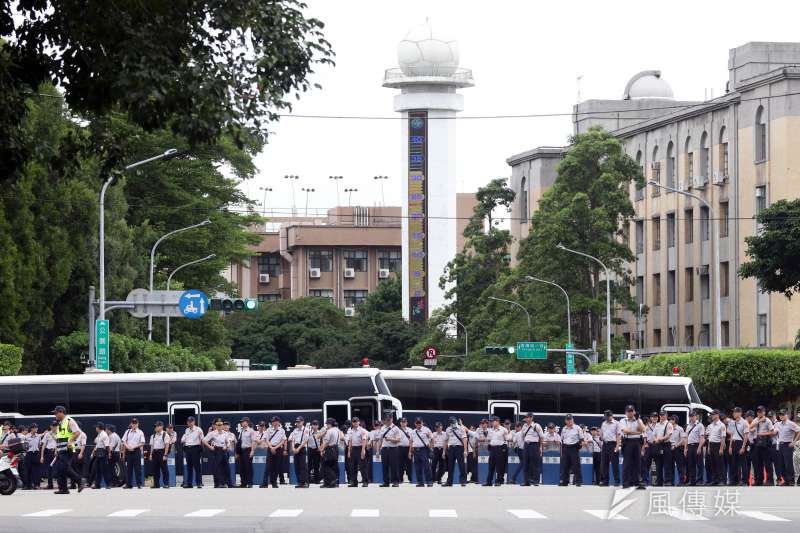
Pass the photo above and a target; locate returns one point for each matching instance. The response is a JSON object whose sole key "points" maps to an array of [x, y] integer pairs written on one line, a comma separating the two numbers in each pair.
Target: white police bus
{"points": [[470, 396]]}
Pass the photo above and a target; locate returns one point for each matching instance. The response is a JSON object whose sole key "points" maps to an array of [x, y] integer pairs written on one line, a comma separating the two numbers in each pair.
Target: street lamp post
{"points": [[350, 195], [152, 263], [466, 335], [608, 294], [380, 180], [521, 307], [336, 180], [307, 191], [715, 253], [167, 153], [554, 284], [264, 203], [169, 278], [292, 178]]}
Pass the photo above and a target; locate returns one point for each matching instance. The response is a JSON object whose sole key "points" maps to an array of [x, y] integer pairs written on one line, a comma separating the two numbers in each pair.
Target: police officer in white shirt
{"points": [[114, 460], [677, 444], [32, 463], [455, 451], [314, 457], [275, 438], [531, 437], [611, 438], [438, 462], [298, 443], [48, 452], [100, 455], [357, 442], [763, 434], [159, 452], [571, 442], [695, 439], [192, 453], [216, 441], [715, 435], [649, 450], [247, 442], [788, 434], [662, 433], [497, 438], [597, 452], [421, 443], [329, 449], [632, 429], [738, 432], [389, 440], [132, 445]]}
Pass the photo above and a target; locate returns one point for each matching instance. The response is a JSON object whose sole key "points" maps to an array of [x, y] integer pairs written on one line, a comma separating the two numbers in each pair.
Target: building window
{"points": [[724, 281], [688, 336], [705, 335], [269, 264], [671, 165], [670, 230], [762, 330], [656, 289], [761, 198], [322, 293], [523, 201], [656, 337], [640, 190], [639, 236], [705, 292], [704, 162], [688, 226], [390, 260], [671, 289], [689, 166], [269, 297], [688, 277], [761, 135], [640, 290], [353, 298], [321, 259], [723, 219], [656, 233], [655, 175], [704, 220], [671, 337], [726, 333], [355, 259], [723, 151]]}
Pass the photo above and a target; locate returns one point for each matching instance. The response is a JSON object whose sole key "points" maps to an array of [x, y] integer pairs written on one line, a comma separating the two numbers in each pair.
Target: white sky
{"points": [[525, 56]]}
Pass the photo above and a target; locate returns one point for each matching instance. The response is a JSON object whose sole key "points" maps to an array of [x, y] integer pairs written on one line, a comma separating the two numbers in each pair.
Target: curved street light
{"points": [[521, 307], [554, 284]]}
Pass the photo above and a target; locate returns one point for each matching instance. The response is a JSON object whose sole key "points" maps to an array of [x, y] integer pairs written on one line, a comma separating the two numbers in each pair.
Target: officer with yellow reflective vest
{"points": [[68, 432]]}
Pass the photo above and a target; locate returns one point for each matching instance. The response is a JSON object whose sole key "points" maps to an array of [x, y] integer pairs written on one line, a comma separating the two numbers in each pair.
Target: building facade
{"points": [[736, 153]]}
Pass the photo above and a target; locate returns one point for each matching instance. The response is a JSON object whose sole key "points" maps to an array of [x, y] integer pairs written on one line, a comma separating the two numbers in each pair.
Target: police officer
{"points": [[230, 454], [571, 442], [455, 452], [632, 429], [531, 437], [48, 453], [275, 438], [788, 434], [114, 461], [298, 443], [132, 445], [597, 452], [552, 440], [192, 453], [329, 449], [357, 453], [372, 450], [314, 457], [776, 462], [421, 443], [649, 450], [695, 439], [78, 453], [216, 441], [611, 438], [68, 432], [388, 443], [662, 433], [763, 433], [247, 445], [404, 450], [738, 432], [715, 436], [438, 466], [750, 415], [497, 439], [100, 453], [33, 461], [159, 452], [473, 446], [677, 445]]}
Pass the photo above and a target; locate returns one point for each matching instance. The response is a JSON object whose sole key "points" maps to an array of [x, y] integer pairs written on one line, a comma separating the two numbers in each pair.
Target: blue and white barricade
{"points": [[171, 469]]}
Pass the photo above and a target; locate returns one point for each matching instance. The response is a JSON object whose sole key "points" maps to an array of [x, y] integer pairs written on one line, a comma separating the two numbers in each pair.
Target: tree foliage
{"points": [[774, 251], [10, 359]]}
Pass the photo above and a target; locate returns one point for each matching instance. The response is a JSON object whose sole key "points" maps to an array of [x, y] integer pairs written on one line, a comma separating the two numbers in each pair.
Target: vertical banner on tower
{"points": [[417, 215]]}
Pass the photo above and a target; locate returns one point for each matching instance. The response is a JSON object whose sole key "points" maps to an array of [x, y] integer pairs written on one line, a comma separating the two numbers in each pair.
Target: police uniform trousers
{"points": [[284, 468], [532, 459], [219, 466], [159, 466], [422, 465], [519, 468], [496, 471], [761, 463], [609, 459], [571, 462], [301, 466], [472, 466], [102, 469], [246, 468], [32, 468], [777, 463], [631, 461], [330, 467], [679, 463], [314, 460], [647, 463], [133, 467], [368, 461], [356, 464], [64, 471], [455, 455], [274, 464], [717, 466], [48, 468], [597, 467], [390, 465], [787, 466], [737, 464], [405, 462], [665, 472], [194, 465], [694, 465], [438, 464]]}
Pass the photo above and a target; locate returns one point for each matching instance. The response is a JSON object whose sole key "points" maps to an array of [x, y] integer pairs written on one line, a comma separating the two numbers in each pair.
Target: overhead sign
{"points": [[532, 350], [101, 346], [193, 304], [155, 303], [430, 356], [570, 359]]}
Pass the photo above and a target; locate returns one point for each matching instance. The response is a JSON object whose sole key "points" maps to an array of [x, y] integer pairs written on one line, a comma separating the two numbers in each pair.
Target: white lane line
{"points": [[365, 513], [47, 512], [442, 513], [127, 513], [526, 513], [204, 513], [285, 513], [680, 514], [758, 515], [602, 514]]}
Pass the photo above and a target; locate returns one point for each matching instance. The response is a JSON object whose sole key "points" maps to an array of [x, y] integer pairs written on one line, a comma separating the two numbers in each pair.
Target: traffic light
{"points": [[498, 350], [229, 305]]}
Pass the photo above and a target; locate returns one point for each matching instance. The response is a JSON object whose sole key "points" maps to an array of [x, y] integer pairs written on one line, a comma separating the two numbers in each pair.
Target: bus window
{"points": [[538, 397], [380, 383], [616, 396], [260, 395], [181, 391], [504, 390], [142, 397], [303, 393], [654, 396], [219, 395], [578, 398], [40, 399], [8, 399], [94, 398], [463, 395], [693, 394], [344, 388]]}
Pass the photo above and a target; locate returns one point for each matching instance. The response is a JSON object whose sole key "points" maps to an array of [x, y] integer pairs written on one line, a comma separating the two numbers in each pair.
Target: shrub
{"points": [[10, 359]]}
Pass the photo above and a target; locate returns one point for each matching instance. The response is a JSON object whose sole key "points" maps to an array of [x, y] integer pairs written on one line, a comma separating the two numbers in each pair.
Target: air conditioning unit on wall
{"points": [[383, 273], [349, 273], [313, 273], [349, 311], [263, 278]]}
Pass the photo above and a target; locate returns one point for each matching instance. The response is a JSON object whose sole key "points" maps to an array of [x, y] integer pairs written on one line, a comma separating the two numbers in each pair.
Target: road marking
{"points": [[127, 513], [602, 514], [442, 513], [365, 513], [758, 515], [680, 514], [47, 512], [285, 513], [204, 513], [526, 513]]}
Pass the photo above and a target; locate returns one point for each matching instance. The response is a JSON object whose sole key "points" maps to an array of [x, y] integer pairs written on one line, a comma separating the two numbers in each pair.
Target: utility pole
{"points": [[292, 178], [336, 180], [307, 191]]}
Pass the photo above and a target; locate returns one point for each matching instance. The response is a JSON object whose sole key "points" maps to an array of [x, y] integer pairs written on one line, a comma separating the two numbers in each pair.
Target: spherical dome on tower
{"points": [[422, 54], [647, 84]]}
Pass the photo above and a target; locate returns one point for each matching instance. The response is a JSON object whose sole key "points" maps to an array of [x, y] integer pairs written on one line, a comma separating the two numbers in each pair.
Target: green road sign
{"points": [[570, 359], [531, 350], [101, 346]]}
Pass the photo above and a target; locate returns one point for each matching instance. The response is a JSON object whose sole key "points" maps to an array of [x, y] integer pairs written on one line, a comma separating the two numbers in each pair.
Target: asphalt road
{"points": [[458, 509]]}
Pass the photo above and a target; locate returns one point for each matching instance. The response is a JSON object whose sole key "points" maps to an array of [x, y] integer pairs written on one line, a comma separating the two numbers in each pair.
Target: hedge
{"points": [[10, 359], [725, 378]]}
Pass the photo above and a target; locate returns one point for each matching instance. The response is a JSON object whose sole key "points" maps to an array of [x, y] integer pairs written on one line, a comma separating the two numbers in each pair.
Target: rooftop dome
{"points": [[647, 84], [422, 54]]}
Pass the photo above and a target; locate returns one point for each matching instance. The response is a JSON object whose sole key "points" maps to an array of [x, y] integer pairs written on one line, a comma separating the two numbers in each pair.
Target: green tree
{"points": [[775, 249], [10, 359]]}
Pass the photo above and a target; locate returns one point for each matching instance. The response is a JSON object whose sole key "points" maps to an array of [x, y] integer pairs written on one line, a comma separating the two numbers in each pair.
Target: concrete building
{"points": [[737, 153]]}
